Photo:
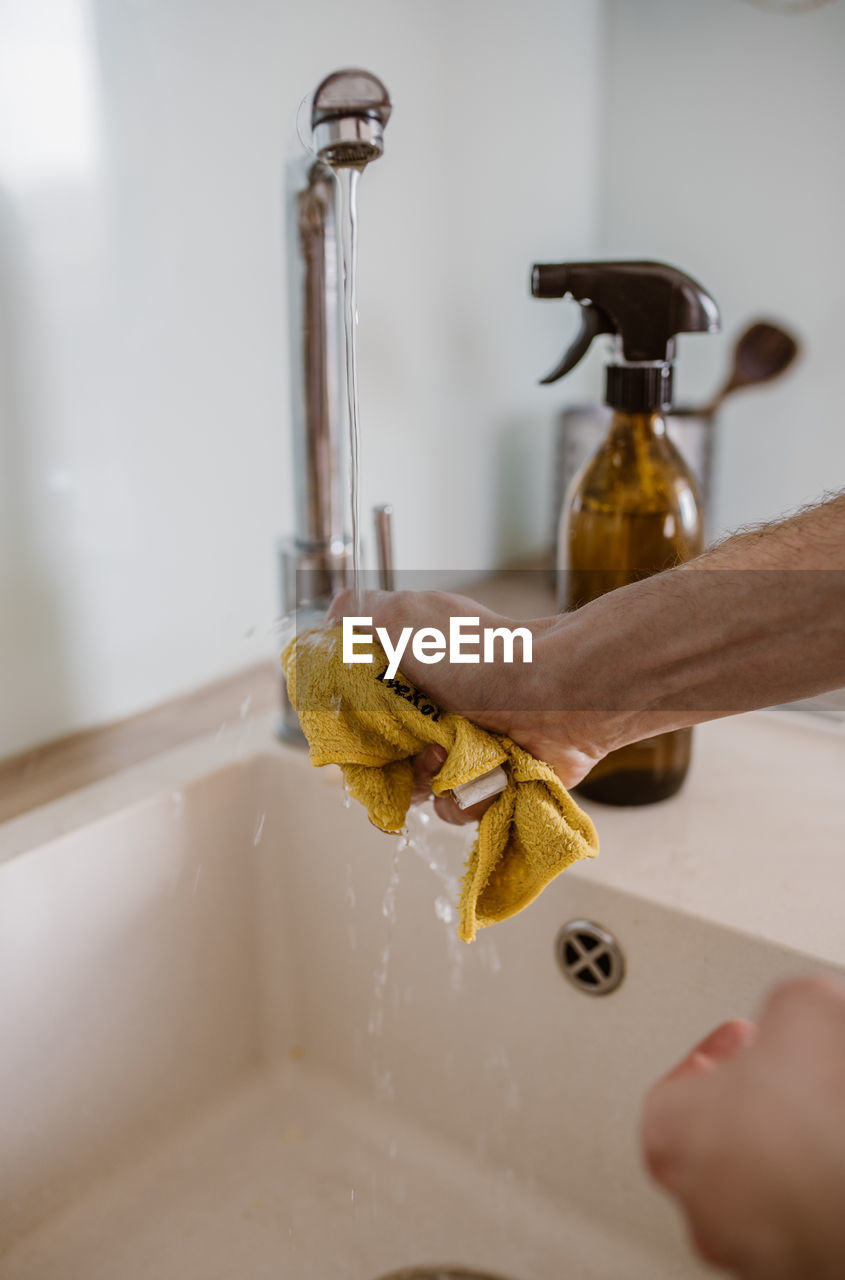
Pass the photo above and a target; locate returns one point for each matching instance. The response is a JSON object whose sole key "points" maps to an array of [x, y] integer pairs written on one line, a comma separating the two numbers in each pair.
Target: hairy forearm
{"points": [[756, 621], [759, 619]]}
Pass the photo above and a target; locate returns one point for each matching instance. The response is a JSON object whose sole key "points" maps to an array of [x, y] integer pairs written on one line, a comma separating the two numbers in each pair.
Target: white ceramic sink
{"points": [[238, 1036]]}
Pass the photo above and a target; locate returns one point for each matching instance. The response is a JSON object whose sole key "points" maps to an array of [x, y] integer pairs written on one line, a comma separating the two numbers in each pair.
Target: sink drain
{"points": [[590, 957], [440, 1273]]}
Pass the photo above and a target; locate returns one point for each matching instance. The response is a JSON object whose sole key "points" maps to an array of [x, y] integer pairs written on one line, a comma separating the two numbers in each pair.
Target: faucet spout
{"points": [[349, 112]]}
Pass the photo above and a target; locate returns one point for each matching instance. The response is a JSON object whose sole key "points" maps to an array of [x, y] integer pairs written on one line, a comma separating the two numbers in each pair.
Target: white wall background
{"points": [[722, 151], [144, 433], [145, 465]]}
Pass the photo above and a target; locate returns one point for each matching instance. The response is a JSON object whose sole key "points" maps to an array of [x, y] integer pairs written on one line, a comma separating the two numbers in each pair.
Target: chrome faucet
{"points": [[349, 112]]}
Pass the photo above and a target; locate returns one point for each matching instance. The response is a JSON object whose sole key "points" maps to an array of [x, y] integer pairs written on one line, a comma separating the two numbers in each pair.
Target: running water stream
{"points": [[346, 179], [417, 837]]}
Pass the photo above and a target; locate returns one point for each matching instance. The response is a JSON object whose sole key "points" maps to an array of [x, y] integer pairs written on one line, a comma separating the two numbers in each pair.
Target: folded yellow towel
{"points": [[353, 716]]}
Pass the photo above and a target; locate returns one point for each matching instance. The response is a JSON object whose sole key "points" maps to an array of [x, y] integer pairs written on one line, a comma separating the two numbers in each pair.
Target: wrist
{"points": [[588, 691]]}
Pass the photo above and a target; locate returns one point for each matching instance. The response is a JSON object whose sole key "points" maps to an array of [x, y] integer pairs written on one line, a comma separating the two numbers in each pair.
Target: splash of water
{"points": [[382, 1075], [418, 838]]}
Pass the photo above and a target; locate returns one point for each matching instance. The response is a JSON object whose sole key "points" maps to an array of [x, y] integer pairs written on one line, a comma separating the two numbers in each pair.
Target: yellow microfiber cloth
{"points": [[353, 716]]}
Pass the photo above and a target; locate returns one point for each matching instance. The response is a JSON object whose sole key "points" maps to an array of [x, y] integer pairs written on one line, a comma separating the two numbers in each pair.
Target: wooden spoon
{"points": [[762, 352]]}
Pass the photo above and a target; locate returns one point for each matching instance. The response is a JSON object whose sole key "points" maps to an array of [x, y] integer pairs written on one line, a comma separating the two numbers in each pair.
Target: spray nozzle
{"points": [[645, 303]]}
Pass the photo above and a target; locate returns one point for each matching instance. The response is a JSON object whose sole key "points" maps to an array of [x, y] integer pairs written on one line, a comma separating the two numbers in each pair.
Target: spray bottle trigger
{"points": [[593, 322]]}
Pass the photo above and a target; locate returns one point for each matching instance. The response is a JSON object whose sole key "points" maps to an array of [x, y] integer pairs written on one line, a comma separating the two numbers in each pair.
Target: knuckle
{"points": [[340, 605], [392, 609]]}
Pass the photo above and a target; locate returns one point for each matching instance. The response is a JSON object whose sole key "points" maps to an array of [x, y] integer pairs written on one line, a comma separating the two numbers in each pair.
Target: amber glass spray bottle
{"points": [[634, 509]]}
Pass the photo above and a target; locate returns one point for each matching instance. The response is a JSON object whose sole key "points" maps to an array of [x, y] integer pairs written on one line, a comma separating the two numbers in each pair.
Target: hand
{"points": [[748, 1134], [512, 699]]}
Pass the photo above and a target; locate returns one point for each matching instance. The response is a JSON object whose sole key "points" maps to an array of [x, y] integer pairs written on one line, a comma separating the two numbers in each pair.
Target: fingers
{"points": [[672, 1106], [389, 608], [393, 612], [426, 765], [739, 1133], [481, 692], [719, 1046], [447, 808]]}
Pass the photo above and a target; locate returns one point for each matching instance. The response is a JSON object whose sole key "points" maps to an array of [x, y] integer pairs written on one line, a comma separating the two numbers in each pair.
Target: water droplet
{"points": [[443, 910], [259, 828]]}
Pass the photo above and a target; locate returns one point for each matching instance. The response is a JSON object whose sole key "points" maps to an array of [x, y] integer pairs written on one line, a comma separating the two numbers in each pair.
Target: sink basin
{"points": [[240, 1038]]}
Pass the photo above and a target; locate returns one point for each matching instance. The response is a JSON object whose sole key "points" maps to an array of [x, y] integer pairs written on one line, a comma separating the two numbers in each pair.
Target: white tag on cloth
{"points": [[484, 787]]}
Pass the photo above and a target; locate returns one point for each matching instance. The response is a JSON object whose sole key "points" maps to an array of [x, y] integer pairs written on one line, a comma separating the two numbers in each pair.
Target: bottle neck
{"points": [[639, 426]]}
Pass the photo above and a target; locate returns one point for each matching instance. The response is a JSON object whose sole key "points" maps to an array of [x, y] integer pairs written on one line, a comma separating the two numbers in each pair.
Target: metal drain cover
{"points": [[590, 957], [440, 1273]]}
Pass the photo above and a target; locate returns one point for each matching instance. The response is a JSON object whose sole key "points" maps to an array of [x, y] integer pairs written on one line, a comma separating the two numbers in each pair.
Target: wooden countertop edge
{"points": [[54, 769]]}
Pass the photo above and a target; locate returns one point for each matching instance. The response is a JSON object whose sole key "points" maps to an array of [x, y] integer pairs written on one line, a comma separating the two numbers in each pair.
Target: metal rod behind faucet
{"points": [[383, 517]]}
